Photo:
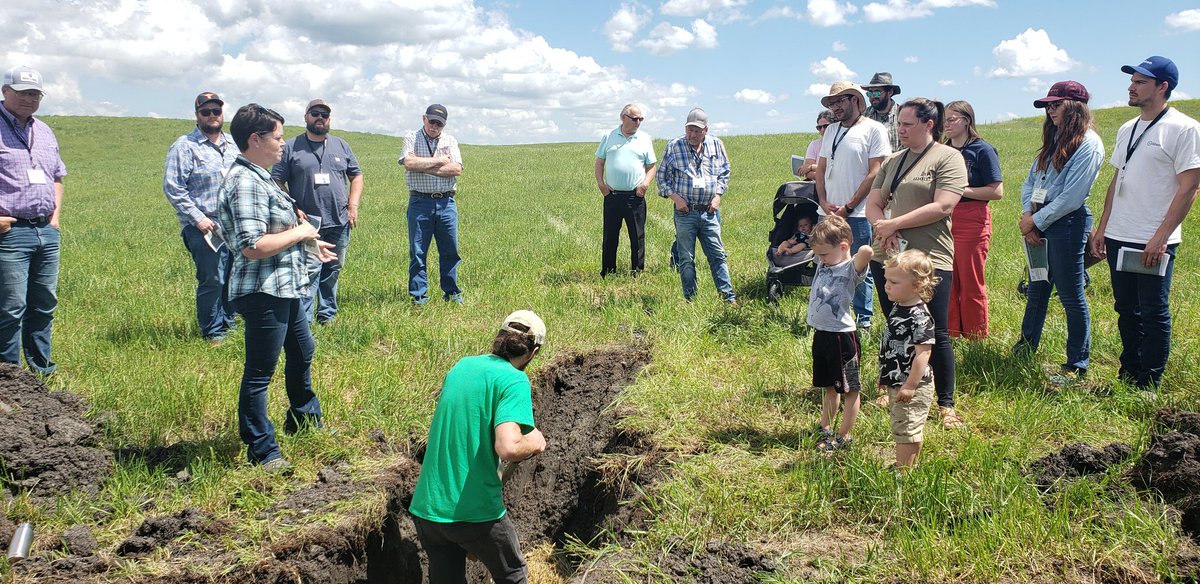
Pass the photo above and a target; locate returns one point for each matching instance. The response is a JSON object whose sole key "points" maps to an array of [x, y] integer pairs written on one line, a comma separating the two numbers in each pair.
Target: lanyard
{"points": [[430, 145], [1133, 145], [837, 140], [320, 157], [21, 136], [900, 175]]}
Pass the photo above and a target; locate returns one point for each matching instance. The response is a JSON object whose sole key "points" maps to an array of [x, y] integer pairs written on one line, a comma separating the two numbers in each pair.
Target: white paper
{"points": [[1039, 262], [1130, 260], [311, 245], [797, 166], [1038, 197], [37, 176], [213, 238]]}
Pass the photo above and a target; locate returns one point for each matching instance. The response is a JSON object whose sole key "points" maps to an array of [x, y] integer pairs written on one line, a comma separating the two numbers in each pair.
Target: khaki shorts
{"points": [[908, 419]]}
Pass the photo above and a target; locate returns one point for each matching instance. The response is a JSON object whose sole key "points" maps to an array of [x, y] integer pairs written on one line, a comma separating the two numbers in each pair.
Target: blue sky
{"points": [[520, 71]]}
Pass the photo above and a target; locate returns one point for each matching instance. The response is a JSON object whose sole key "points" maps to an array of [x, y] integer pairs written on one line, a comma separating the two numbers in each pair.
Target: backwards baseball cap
{"points": [[1159, 68], [697, 117], [437, 112], [23, 78], [317, 103], [206, 97], [1072, 90], [532, 323]]}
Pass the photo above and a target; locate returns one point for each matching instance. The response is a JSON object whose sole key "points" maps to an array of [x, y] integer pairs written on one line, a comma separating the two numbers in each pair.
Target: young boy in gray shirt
{"points": [[835, 348]]}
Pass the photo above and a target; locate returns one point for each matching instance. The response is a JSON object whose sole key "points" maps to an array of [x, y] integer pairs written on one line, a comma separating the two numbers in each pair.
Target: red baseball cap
{"points": [[1072, 90]]}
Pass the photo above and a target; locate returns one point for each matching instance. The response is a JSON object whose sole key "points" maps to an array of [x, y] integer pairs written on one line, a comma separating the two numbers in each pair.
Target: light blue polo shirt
{"points": [[625, 159]]}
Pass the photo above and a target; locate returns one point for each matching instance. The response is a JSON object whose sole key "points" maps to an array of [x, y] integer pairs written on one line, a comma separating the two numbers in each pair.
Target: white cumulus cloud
{"points": [[947, 82], [1030, 53], [831, 69], [839, 46], [830, 12], [817, 90], [624, 25], [1185, 19], [911, 59], [716, 10], [666, 38], [906, 9], [754, 96]]}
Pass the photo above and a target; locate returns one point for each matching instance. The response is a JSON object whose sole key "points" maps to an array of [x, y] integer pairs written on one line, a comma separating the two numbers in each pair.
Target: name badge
{"points": [[321, 178], [37, 176], [1039, 196]]}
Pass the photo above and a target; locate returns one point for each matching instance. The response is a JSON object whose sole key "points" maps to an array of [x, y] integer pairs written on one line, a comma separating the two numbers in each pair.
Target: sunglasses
{"points": [[436, 123], [638, 119], [874, 93], [1053, 106], [822, 126], [216, 111], [318, 114]]}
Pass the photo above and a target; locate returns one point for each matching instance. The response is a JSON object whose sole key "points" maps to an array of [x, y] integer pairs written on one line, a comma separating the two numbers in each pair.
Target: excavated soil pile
{"points": [[1171, 465], [47, 446], [1074, 461]]}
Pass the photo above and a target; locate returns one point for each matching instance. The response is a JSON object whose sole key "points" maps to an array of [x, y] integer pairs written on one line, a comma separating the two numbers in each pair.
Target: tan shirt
{"points": [[941, 168]]}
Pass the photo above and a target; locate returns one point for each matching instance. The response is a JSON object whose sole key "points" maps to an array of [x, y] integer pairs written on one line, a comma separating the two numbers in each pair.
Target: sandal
{"points": [[883, 401], [951, 419], [840, 443], [825, 444]]}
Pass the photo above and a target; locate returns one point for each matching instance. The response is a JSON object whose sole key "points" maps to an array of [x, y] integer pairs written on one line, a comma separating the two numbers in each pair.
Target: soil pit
{"points": [[47, 446], [574, 490], [1076, 460], [1171, 466]]}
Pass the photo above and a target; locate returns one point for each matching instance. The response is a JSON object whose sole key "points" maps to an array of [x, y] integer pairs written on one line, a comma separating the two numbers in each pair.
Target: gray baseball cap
{"points": [[23, 78], [697, 117]]}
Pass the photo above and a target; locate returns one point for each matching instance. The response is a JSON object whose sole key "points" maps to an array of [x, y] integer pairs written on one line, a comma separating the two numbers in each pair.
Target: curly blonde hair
{"points": [[916, 263]]}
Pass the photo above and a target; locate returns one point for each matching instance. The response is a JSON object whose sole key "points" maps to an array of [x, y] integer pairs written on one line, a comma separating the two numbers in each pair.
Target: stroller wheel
{"points": [[1022, 287], [774, 291]]}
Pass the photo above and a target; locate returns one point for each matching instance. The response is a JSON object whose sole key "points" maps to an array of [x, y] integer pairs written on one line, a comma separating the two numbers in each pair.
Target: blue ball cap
{"points": [[1159, 68]]}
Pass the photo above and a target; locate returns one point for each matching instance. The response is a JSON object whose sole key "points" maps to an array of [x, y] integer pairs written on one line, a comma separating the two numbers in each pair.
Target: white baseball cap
{"points": [[532, 322]]}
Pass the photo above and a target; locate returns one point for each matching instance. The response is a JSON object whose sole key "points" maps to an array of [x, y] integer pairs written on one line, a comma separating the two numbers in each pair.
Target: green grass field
{"points": [[728, 389]]}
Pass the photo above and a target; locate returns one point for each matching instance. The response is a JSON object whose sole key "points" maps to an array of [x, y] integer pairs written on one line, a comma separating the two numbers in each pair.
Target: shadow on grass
{"points": [[180, 455], [156, 333], [754, 439]]}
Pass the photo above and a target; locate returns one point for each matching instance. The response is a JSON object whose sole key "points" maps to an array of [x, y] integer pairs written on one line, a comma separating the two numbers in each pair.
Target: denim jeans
{"points": [[325, 292], [941, 359], [864, 300], [274, 324], [28, 293], [494, 543], [428, 220], [628, 208], [1066, 240], [705, 226], [1143, 310], [214, 313]]}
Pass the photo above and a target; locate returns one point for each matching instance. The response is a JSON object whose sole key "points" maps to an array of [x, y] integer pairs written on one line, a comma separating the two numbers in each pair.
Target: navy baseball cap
{"points": [[437, 112], [1159, 68]]}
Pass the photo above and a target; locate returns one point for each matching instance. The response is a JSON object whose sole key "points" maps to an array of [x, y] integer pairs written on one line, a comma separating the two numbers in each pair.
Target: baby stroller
{"points": [[793, 200]]}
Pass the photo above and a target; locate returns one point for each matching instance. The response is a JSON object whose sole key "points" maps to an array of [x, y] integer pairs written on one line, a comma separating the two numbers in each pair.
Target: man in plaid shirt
{"points": [[694, 174], [432, 164]]}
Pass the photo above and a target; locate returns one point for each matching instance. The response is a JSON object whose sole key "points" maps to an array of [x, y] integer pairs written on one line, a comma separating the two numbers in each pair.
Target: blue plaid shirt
{"points": [[194, 170], [695, 176], [251, 206]]}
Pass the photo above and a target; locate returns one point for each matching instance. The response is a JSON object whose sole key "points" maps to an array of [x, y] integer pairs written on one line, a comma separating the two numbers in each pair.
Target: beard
{"points": [[212, 127], [317, 130]]}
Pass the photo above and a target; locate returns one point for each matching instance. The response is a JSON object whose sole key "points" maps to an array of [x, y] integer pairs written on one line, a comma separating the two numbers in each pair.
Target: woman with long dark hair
{"points": [[909, 206], [971, 222], [1055, 215]]}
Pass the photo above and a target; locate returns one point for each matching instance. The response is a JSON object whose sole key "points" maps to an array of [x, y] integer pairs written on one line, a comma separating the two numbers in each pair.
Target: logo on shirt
{"points": [[1153, 143]]}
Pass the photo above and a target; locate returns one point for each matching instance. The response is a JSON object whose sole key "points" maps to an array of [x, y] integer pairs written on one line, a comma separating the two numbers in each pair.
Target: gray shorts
{"points": [[494, 543]]}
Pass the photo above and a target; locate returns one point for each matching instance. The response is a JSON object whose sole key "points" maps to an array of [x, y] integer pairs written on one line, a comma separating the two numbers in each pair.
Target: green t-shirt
{"points": [[458, 479]]}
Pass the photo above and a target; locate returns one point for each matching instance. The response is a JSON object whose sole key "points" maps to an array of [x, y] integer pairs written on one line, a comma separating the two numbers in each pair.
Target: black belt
{"points": [[35, 221], [701, 207], [620, 192], [441, 195]]}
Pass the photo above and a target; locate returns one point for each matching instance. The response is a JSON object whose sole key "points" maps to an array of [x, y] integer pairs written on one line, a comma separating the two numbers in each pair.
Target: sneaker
{"points": [[1066, 378], [419, 300], [863, 324], [215, 340], [277, 466], [455, 298]]}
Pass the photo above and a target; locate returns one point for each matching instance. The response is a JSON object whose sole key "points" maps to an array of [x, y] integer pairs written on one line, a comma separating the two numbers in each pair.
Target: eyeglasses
{"points": [[436, 123], [318, 114], [30, 94], [206, 112], [840, 100], [822, 126], [636, 119], [1053, 106]]}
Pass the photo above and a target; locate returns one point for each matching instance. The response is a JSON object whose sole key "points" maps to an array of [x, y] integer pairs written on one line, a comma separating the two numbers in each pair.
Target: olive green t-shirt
{"points": [[942, 168], [458, 480]]}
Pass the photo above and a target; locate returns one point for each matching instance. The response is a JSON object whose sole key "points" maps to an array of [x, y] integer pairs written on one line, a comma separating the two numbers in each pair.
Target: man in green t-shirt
{"points": [[484, 417]]}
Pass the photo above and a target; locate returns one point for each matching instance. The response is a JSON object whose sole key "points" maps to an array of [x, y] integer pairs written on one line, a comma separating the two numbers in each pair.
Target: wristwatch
{"points": [[849, 209]]}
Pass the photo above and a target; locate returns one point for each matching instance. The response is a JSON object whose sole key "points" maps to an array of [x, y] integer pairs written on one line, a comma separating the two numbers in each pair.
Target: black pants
{"points": [[942, 358], [627, 207], [494, 543]]}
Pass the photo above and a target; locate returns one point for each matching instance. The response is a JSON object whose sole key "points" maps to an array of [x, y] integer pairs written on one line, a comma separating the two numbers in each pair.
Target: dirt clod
{"points": [[46, 444], [1171, 466], [79, 541], [156, 532], [1076, 460]]}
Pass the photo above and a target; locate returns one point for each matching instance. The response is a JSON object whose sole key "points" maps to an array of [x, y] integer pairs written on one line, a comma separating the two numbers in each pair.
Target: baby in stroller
{"points": [[791, 252]]}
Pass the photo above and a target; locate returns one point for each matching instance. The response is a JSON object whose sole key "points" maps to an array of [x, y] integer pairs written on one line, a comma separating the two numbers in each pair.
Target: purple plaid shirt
{"points": [[21, 149]]}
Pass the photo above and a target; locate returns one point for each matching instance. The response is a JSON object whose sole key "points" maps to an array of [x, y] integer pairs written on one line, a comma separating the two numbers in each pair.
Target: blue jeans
{"points": [[214, 313], [864, 298], [273, 324], [705, 226], [325, 292], [1066, 242], [1143, 310], [432, 219], [28, 293]]}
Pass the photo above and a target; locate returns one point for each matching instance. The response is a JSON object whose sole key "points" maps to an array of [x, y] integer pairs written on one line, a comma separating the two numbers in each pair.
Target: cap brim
{"points": [[700, 125], [432, 117], [1131, 69], [1043, 102], [26, 87]]}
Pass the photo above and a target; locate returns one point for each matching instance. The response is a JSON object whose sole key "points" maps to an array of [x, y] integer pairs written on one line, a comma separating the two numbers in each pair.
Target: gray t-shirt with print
{"points": [[830, 296]]}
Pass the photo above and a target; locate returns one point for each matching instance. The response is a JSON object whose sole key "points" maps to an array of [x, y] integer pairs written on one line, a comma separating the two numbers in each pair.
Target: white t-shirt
{"points": [[846, 168], [1147, 184]]}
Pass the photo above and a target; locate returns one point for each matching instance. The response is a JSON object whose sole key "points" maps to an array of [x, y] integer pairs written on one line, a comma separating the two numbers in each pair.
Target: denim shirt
{"points": [[251, 206], [192, 175], [1066, 190]]}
